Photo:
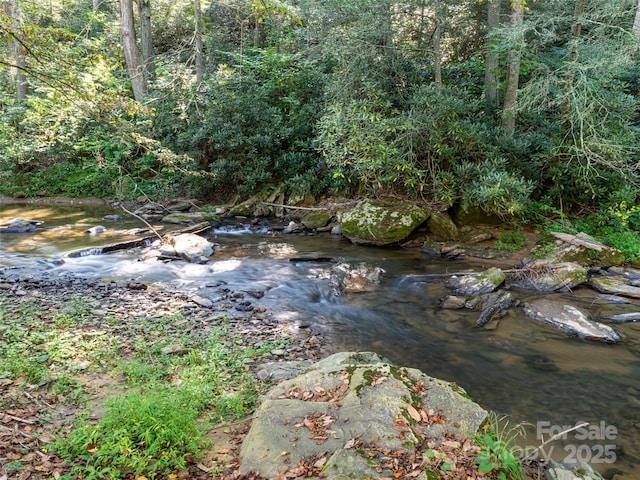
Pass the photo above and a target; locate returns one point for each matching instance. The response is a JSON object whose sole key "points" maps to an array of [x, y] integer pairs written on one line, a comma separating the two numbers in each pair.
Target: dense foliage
{"points": [[363, 97]]}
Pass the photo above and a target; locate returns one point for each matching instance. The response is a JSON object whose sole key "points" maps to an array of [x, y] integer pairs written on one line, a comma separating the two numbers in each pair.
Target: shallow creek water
{"points": [[521, 368]]}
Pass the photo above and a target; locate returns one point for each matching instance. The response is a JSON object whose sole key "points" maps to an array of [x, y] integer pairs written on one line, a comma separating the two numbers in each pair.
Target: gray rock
{"points": [[279, 371], [20, 225], [583, 249], [188, 246], [614, 286], [494, 305], [431, 247], [571, 320], [352, 396], [317, 219], [625, 317], [551, 277], [579, 471], [202, 301], [96, 230], [484, 282]]}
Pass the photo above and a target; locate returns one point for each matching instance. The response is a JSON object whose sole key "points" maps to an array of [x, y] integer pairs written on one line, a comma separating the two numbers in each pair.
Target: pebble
{"points": [[114, 306]]}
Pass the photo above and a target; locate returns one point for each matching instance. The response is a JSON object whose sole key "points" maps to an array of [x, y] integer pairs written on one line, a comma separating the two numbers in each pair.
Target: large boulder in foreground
{"points": [[375, 222], [345, 409]]}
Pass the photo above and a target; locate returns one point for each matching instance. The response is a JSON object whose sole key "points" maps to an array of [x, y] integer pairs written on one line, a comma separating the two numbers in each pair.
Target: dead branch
{"points": [[142, 220]]}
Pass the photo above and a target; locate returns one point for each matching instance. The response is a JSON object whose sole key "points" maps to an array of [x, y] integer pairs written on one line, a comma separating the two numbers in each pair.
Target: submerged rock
{"points": [[625, 317], [381, 222], [355, 278], [20, 225], [571, 320], [348, 403]]}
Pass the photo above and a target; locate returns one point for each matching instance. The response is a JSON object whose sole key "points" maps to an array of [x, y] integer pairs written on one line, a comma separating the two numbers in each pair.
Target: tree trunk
{"points": [[636, 22], [491, 61], [146, 42], [96, 6], [199, 47], [513, 71], [130, 50], [437, 51], [11, 8], [571, 71]]}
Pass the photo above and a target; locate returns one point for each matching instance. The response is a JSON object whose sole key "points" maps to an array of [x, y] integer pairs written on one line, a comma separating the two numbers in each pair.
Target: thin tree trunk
{"points": [[509, 106], [571, 72], [199, 47], [636, 22], [491, 61], [96, 6], [146, 42], [437, 51], [11, 8], [130, 50]]}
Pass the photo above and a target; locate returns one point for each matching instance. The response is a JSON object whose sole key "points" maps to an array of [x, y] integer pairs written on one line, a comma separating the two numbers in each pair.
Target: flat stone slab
{"points": [[571, 320], [348, 398], [614, 286]]}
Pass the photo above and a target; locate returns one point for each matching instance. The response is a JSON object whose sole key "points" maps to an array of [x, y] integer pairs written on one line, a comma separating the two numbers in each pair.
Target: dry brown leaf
{"points": [[414, 413], [350, 444], [320, 463]]}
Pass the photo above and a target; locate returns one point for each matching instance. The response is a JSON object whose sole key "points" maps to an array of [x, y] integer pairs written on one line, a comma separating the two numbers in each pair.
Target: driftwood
{"points": [[293, 207], [140, 242], [312, 259], [143, 221]]}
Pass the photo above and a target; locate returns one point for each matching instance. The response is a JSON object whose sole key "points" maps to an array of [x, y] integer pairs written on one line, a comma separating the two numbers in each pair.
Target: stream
{"points": [[522, 368]]}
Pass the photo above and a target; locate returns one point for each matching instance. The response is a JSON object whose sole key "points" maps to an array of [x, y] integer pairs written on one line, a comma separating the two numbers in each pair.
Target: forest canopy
{"points": [[518, 106]]}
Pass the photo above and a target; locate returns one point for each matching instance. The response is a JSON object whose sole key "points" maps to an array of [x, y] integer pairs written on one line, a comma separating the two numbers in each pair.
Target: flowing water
{"points": [[519, 368]]}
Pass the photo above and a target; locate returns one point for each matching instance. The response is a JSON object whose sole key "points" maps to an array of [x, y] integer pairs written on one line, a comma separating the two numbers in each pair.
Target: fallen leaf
{"points": [[414, 413], [350, 444]]}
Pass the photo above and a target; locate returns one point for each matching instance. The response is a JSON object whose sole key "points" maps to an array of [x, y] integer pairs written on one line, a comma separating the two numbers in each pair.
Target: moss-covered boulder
{"points": [[317, 219], [585, 250], [442, 227], [467, 214], [374, 222], [550, 277]]}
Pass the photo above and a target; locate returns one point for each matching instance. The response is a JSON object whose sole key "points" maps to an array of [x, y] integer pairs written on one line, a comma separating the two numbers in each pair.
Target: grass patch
{"points": [[497, 444], [178, 381], [148, 433], [511, 241]]}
